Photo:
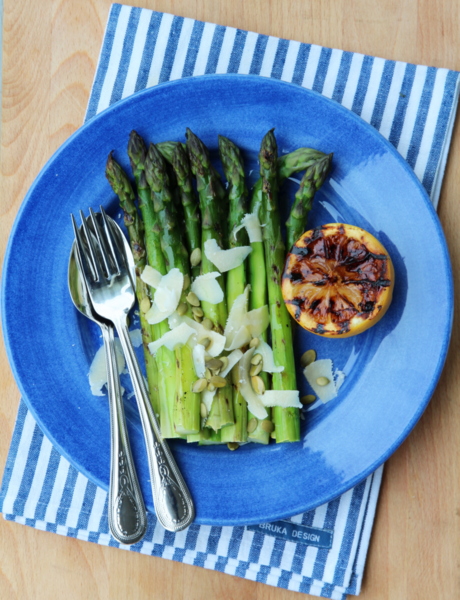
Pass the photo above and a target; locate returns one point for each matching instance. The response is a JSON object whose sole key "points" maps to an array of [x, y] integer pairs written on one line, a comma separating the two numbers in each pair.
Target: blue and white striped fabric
{"points": [[41, 489], [412, 106]]}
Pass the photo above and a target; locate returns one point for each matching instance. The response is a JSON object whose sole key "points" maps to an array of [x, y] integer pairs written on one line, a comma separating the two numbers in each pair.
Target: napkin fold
{"points": [[321, 552]]}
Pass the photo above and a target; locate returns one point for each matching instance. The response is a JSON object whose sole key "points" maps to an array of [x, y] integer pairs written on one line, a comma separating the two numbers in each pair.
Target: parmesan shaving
{"points": [[242, 325], [171, 339], [206, 287], [241, 338], [254, 400], [166, 298], [267, 357], [97, 375], [155, 315], [257, 320], [151, 276], [321, 368], [236, 316], [207, 398], [225, 260], [233, 358], [217, 340], [252, 224], [169, 290], [199, 360], [282, 398]]}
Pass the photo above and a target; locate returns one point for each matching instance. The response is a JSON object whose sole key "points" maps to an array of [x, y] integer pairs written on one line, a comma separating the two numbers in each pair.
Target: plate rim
{"points": [[275, 82]]}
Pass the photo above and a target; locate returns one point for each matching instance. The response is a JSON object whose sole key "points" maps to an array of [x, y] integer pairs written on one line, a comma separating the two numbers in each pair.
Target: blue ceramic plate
{"points": [[391, 370]]}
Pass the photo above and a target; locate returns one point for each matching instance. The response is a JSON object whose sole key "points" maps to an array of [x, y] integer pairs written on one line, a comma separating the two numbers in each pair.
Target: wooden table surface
{"points": [[50, 50]]}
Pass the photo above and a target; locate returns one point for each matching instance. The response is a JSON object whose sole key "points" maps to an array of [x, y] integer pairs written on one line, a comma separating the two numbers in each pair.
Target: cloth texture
{"points": [[414, 107]]}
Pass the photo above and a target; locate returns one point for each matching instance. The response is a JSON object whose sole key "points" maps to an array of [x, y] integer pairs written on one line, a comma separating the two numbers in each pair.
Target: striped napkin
{"points": [[321, 552]]}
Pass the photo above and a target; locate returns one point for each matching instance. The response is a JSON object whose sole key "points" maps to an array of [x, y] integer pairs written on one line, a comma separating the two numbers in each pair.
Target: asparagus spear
{"points": [[206, 435], [166, 359], [312, 180], [167, 149], [237, 192], [258, 298], [298, 160], [122, 187], [287, 165], [175, 154], [181, 165], [186, 418], [232, 162], [286, 420], [211, 194]]}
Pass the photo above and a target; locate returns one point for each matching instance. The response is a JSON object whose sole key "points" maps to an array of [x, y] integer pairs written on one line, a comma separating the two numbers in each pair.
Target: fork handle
{"points": [[127, 514], [172, 500]]}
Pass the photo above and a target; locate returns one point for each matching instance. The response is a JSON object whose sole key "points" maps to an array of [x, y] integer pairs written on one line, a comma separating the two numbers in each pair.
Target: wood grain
{"points": [[50, 54]]}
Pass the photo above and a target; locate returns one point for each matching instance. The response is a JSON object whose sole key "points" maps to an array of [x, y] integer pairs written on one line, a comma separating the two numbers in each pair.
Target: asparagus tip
{"points": [[110, 160]]}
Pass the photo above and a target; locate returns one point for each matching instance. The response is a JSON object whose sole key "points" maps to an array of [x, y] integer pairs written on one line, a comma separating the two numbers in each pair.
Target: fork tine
{"points": [[85, 261], [96, 267], [110, 241], [102, 245]]}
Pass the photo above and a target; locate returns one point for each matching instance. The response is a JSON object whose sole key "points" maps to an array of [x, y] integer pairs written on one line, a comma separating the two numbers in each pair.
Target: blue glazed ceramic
{"points": [[391, 370]]}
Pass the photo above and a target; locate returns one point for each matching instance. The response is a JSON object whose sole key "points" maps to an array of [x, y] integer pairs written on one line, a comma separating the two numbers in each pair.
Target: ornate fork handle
{"points": [[127, 514], [172, 500]]}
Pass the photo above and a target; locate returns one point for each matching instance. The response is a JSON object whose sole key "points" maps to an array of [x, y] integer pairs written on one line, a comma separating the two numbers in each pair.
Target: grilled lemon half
{"points": [[338, 280]]}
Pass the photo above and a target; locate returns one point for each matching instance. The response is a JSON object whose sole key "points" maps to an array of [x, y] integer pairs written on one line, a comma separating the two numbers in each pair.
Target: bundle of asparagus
{"points": [[214, 378]]}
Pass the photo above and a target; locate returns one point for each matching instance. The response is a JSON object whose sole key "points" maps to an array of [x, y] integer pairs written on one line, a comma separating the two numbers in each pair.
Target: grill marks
{"points": [[335, 278]]}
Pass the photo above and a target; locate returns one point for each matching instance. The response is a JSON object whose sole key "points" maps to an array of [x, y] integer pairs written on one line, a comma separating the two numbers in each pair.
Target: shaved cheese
{"points": [[151, 276], [241, 338], [217, 340], [206, 287], [175, 320], [217, 344], [237, 316], [245, 387], [317, 369], [252, 224], [268, 360], [155, 315], [225, 260], [233, 359], [171, 339], [257, 320], [166, 298], [169, 290], [282, 398], [242, 325], [207, 398], [97, 375], [199, 360]]}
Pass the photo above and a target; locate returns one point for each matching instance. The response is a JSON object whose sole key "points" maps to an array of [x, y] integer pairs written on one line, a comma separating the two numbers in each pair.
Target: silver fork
{"points": [[112, 293], [127, 515]]}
